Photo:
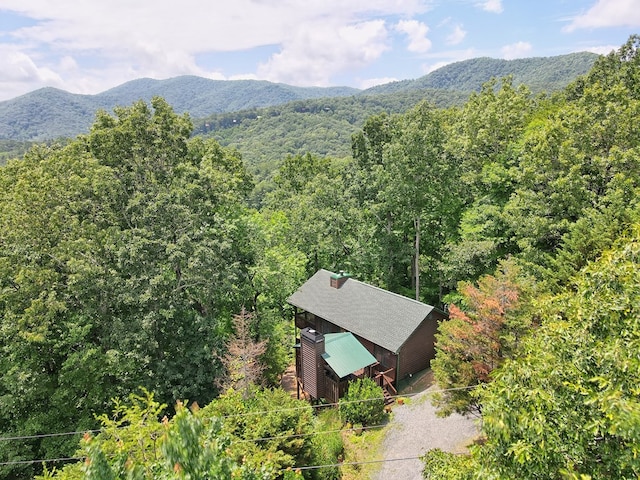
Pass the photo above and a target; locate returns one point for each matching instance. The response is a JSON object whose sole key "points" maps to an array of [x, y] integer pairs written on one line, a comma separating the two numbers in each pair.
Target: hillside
{"points": [[50, 113], [201, 96], [134, 271], [540, 74], [266, 136], [322, 126]]}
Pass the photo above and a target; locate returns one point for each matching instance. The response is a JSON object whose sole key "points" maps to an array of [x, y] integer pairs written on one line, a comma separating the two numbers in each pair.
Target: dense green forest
{"points": [[133, 266], [266, 136], [12, 149]]}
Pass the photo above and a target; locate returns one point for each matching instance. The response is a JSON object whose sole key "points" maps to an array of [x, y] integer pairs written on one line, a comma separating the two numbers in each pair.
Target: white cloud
{"points": [[608, 13], [68, 64], [516, 50], [493, 6], [417, 35], [20, 73], [313, 55], [20, 67], [450, 57], [372, 82], [602, 49], [120, 39], [457, 35]]}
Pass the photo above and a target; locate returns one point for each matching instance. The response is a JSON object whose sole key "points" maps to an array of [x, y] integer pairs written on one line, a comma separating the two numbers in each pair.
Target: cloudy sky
{"points": [[88, 46]]}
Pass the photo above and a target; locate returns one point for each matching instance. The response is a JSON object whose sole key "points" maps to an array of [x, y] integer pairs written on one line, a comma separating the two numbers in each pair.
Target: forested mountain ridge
{"points": [[540, 74], [51, 113], [266, 136], [324, 126]]}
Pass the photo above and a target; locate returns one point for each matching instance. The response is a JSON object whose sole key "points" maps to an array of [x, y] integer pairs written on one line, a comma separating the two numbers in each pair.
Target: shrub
{"points": [[269, 428], [439, 465], [363, 403], [328, 448]]}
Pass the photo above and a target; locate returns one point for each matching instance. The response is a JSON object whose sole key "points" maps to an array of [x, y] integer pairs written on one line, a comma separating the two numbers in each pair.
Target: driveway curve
{"points": [[414, 429]]}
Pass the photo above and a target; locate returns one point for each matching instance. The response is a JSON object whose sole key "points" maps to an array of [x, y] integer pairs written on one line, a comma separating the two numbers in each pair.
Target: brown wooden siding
{"points": [[370, 346], [304, 320], [334, 388], [415, 355], [325, 326], [418, 351], [386, 358], [312, 364]]}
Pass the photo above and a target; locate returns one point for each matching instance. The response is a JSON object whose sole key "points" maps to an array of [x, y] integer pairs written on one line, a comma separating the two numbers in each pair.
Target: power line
{"points": [[299, 435], [24, 437], [363, 462], [46, 460], [45, 435], [280, 437], [262, 412], [345, 402], [305, 467], [343, 464]]}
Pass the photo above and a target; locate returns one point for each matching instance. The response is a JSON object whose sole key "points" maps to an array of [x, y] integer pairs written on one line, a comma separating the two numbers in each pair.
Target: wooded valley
{"points": [[141, 262]]}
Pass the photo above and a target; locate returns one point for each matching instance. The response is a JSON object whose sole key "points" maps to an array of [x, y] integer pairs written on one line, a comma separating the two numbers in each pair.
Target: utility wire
{"points": [[409, 395], [364, 462], [262, 412], [300, 435], [46, 460], [280, 437], [44, 435]]}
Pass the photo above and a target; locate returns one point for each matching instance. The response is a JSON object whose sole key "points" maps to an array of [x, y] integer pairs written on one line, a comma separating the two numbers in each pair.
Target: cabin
{"points": [[349, 329]]}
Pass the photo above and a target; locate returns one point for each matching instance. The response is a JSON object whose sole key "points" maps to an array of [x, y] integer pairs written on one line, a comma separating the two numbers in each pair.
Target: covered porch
{"points": [[325, 364]]}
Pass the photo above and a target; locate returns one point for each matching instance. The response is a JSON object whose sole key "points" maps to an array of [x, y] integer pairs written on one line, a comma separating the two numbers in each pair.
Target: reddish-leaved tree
{"points": [[477, 337]]}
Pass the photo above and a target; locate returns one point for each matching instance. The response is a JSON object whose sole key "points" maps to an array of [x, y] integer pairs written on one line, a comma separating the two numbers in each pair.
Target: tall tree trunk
{"points": [[416, 223]]}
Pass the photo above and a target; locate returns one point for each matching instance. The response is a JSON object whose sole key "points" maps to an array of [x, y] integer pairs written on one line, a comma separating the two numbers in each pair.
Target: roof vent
{"points": [[338, 279]]}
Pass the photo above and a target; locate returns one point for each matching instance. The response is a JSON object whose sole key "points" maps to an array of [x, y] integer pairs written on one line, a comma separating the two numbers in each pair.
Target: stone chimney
{"points": [[338, 279]]}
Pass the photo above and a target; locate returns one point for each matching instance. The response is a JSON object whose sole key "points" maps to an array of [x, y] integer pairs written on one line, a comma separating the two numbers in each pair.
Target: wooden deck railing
{"points": [[384, 379]]}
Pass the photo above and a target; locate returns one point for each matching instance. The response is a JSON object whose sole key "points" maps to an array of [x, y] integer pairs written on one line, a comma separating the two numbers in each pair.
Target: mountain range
{"points": [[50, 113]]}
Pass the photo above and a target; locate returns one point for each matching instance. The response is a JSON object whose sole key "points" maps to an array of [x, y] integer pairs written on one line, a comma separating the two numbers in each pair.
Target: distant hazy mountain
{"points": [[50, 113]]}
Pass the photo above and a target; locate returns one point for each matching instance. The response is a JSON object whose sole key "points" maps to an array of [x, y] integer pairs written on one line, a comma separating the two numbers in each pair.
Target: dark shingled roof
{"points": [[385, 318]]}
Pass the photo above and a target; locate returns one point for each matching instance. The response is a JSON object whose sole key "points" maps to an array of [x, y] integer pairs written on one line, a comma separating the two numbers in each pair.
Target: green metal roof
{"points": [[345, 354]]}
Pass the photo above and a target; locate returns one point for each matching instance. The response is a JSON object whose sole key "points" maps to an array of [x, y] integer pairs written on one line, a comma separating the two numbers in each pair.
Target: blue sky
{"points": [[88, 46]]}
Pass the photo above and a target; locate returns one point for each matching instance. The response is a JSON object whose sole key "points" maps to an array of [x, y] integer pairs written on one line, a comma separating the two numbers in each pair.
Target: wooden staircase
{"points": [[388, 399], [385, 381]]}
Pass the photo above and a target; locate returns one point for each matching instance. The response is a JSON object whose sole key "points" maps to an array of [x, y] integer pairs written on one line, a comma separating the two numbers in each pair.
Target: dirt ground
{"points": [[288, 381]]}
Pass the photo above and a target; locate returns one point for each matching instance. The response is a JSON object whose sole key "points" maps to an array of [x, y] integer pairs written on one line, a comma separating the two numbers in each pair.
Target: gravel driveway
{"points": [[414, 429]]}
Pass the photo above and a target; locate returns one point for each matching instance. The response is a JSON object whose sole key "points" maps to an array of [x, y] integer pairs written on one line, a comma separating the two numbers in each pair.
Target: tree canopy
{"points": [[122, 258]]}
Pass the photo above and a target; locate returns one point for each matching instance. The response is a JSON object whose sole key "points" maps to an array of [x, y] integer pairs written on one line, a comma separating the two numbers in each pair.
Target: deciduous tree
{"points": [[568, 404], [476, 340], [122, 257]]}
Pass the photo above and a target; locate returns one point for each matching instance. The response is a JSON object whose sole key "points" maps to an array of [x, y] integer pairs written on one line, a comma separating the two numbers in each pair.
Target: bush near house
{"points": [[363, 403]]}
